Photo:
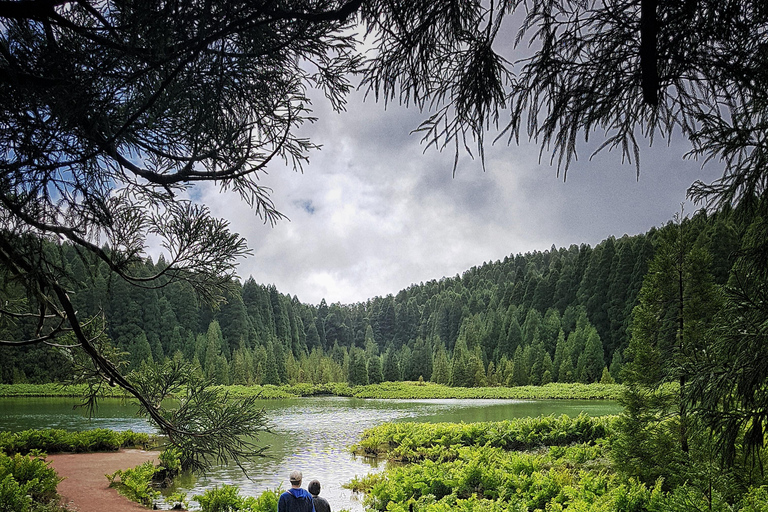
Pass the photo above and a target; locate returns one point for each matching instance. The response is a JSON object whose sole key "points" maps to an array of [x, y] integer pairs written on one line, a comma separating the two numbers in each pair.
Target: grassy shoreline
{"points": [[387, 390]]}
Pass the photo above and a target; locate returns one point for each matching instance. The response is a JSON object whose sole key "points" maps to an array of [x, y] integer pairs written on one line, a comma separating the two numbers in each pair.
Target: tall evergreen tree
{"points": [[358, 371], [531, 326], [678, 302], [391, 366], [271, 375], [441, 370], [140, 351], [618, 296], [375, 373], [591, 360], [520, 367], [462, 372]]}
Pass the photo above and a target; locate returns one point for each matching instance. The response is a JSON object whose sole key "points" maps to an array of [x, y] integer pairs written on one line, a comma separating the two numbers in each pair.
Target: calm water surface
{"points": [[310, 434]]}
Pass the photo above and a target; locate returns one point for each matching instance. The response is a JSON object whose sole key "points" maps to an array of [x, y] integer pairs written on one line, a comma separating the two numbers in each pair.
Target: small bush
{"points": [[177, 500], [13, 496], [170, 460], [220, 499], [57, 440], [227, 499], [25, 481], [136, 483], [266, 502]]}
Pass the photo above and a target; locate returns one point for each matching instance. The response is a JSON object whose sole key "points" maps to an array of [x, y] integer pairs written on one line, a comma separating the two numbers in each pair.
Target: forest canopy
{"points": [[565, 312]]}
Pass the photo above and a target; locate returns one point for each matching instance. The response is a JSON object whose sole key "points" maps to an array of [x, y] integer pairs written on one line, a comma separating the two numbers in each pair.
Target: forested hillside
{"points": [[555, 316]]}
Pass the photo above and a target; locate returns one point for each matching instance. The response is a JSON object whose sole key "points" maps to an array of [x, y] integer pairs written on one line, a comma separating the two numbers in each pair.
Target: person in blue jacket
{"points": [[295, 499]]}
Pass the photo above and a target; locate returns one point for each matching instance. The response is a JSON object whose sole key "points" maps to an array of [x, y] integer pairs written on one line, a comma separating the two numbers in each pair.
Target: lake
{"points": [[309, 434]]}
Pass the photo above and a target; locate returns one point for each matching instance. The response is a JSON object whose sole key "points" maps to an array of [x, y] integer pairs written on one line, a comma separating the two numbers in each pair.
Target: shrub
{"points": [[56, 440], [135, 483], [13, 496], [170, 460], [220, 499], [756, 500], [266, 502], [25, 481], [439, 441], [177, 500]]}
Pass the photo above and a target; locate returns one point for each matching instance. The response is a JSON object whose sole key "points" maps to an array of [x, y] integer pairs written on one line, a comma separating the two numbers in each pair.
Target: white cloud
{"points": [[372, 213]]}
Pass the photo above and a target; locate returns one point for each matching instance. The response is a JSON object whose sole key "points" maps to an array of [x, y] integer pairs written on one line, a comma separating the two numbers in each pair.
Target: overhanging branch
{"points": [[29, 9]]}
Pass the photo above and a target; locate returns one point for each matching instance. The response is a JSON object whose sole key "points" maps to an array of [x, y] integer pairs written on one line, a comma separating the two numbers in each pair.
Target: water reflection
{"points": [[312, 434], [64, 413]]}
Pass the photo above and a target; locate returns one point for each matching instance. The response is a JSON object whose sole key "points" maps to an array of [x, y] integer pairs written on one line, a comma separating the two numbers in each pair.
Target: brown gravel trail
{"points": [[86, 489]]}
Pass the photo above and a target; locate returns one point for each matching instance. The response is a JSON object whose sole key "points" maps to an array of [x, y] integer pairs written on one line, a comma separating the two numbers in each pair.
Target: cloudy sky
{"points": [[373, 212]]}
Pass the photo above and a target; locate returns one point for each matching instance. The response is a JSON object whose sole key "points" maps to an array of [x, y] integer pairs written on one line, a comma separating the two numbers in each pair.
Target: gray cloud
{"points": [[373, 212]]}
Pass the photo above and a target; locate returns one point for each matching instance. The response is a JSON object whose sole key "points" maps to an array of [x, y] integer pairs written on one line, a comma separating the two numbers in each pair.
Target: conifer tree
{"points": [[476, 368], [462, 371], [560, 355], [140, 351], [677, 305], [391, 366], [591, 361], [519, 369], [567, 371], [358, 371], [240, 370], [441, 370], [375, 373], [271, 375], [512, 339]]}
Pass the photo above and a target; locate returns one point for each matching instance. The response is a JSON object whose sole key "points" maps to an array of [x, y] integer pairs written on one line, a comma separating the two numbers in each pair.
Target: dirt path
{"points": [[86, 489]]}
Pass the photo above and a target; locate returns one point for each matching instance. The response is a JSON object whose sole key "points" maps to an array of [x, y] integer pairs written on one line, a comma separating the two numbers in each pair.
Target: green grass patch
{"points": [[56, 440], [55, 390], [410, 442], [136, 483], [534, 464], [271, 392], [27, 484], [402, 390], [557, 391]]}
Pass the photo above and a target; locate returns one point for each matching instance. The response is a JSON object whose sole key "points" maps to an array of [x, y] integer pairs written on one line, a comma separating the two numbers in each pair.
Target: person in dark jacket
{"points": [[295, 499], [321, 504]]}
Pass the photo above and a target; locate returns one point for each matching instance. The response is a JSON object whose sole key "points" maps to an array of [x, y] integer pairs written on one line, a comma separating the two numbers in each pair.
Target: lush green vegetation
{"points": [[56, 440], [27, 484], [227, 499], [554, 316], [52, 389], [678, 314], [572, 391], [410, 442], [136, 483], [544, 463], [78, 390], [141, 483], [269, 391]]}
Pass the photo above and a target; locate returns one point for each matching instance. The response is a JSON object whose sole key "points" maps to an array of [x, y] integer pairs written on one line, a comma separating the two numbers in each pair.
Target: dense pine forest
{"points": [[562, 315]]}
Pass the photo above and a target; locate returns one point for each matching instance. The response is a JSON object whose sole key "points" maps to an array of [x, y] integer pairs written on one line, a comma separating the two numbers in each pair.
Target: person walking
{"points": [[295, 499], [321, 504]]}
